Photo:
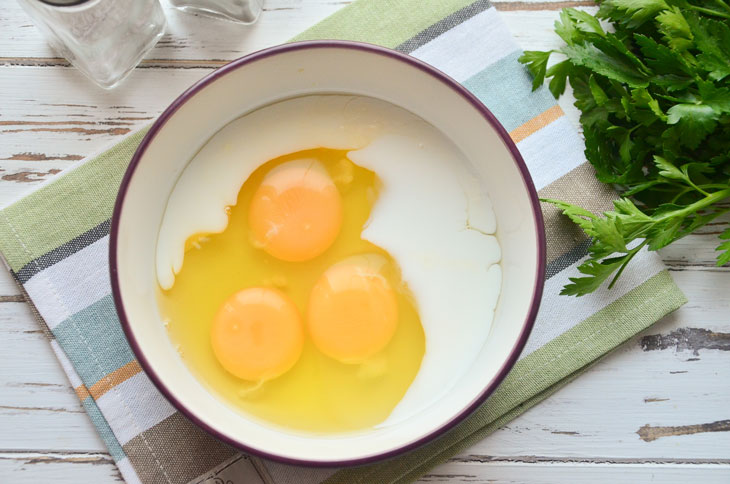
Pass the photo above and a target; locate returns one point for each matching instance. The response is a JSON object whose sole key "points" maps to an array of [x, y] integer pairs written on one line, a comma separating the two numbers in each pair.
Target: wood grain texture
{"points": [[24, 467], [38, 408], [599, 414], [70, 468], [649, 433], [654, 409], [516, 472], [8, 288]]}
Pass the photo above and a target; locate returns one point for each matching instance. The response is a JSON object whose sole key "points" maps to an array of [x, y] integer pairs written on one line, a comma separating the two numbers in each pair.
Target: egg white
{"points": [[432, 215]]}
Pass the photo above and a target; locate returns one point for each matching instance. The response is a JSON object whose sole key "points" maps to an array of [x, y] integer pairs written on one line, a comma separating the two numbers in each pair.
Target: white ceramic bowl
{"points": [[324, 67]]}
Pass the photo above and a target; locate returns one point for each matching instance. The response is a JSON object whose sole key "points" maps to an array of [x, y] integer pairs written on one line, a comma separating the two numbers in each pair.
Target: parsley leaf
{"points": [[724, 257], [712, 39], [536, 63], [631, 13], [695, 122], [597, 273], [607, 64], [674, 27], [654, 96], [559, 75]]}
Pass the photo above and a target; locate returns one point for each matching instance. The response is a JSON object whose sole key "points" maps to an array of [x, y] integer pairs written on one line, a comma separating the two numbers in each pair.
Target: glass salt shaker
{"points": [[104, 39], [243, 11]]}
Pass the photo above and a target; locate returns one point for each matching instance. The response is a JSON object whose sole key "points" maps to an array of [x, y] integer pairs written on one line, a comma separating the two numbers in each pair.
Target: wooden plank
{"points": [[641, 384], [8, 289], [534, 30], [44, 131], [38, 408], [60, 468], [508, 472]]}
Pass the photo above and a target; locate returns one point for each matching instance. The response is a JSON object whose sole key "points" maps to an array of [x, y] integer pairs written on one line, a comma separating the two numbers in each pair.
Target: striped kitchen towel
{"points": [[55, 243]]}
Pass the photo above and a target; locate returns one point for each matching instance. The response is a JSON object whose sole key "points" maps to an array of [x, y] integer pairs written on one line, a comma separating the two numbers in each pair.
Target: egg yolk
{"points": [[319, 393], [257, 334], [353, 311], [296, 213]]}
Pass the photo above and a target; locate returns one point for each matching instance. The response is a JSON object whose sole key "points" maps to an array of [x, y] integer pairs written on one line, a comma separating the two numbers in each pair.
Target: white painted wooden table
{"points": [[656, 409]]}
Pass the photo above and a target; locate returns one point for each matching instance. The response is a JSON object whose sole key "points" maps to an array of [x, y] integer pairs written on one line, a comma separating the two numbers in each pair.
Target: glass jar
{"points": [[243, 11], [104, 39]]}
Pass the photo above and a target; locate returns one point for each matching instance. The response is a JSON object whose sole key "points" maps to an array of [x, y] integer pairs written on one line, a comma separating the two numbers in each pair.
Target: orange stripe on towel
{"points": [[536, 123], [114, 378], [82, 392]]}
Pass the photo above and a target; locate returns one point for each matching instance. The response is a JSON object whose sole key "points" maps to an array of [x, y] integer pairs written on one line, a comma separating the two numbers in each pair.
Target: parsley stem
{"points": [[698, 205], [709, 11], [680, 194], [722, 4], [696, 187], [713, 185], [626, 261]]}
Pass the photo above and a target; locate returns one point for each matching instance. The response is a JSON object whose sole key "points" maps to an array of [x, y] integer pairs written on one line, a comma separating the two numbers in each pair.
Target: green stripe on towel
{"points": [[89, 189], [382, 22]]}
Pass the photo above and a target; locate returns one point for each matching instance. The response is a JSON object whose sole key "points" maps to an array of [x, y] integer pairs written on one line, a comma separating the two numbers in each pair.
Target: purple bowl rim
{"points": [[413, 62]]}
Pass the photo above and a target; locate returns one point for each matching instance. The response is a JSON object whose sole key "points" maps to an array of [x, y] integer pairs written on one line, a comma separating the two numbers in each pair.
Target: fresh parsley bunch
{"points": [[654, 92]]}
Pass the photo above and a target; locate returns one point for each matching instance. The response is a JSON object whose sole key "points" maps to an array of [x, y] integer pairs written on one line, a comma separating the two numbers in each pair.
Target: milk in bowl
{"points": [[328, 263]]}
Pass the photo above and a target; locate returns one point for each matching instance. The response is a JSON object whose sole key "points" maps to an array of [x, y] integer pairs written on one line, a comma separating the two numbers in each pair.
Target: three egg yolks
{"points": [[313, 302]]}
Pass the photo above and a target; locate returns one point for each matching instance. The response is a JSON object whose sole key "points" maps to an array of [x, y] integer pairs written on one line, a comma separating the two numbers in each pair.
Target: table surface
{"points": [[654, 409]]}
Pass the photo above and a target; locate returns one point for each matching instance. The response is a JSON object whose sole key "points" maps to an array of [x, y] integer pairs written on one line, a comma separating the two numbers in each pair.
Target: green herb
{"points": [[653, 88]]}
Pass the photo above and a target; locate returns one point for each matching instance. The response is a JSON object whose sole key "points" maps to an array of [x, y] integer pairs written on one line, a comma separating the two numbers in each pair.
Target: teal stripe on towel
{"points": [[94, 341], [505, 87]]}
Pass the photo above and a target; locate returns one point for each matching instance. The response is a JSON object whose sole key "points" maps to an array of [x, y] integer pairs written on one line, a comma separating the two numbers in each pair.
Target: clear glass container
{"points": [[243, 11], [104, 39]]}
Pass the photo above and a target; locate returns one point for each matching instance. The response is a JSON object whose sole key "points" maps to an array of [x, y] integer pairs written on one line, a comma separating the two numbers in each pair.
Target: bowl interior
{"points": [[297, 70]]}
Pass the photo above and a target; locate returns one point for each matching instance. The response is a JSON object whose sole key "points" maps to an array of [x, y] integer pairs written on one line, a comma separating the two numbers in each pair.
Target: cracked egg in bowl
{"points": [[322, 267]]}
